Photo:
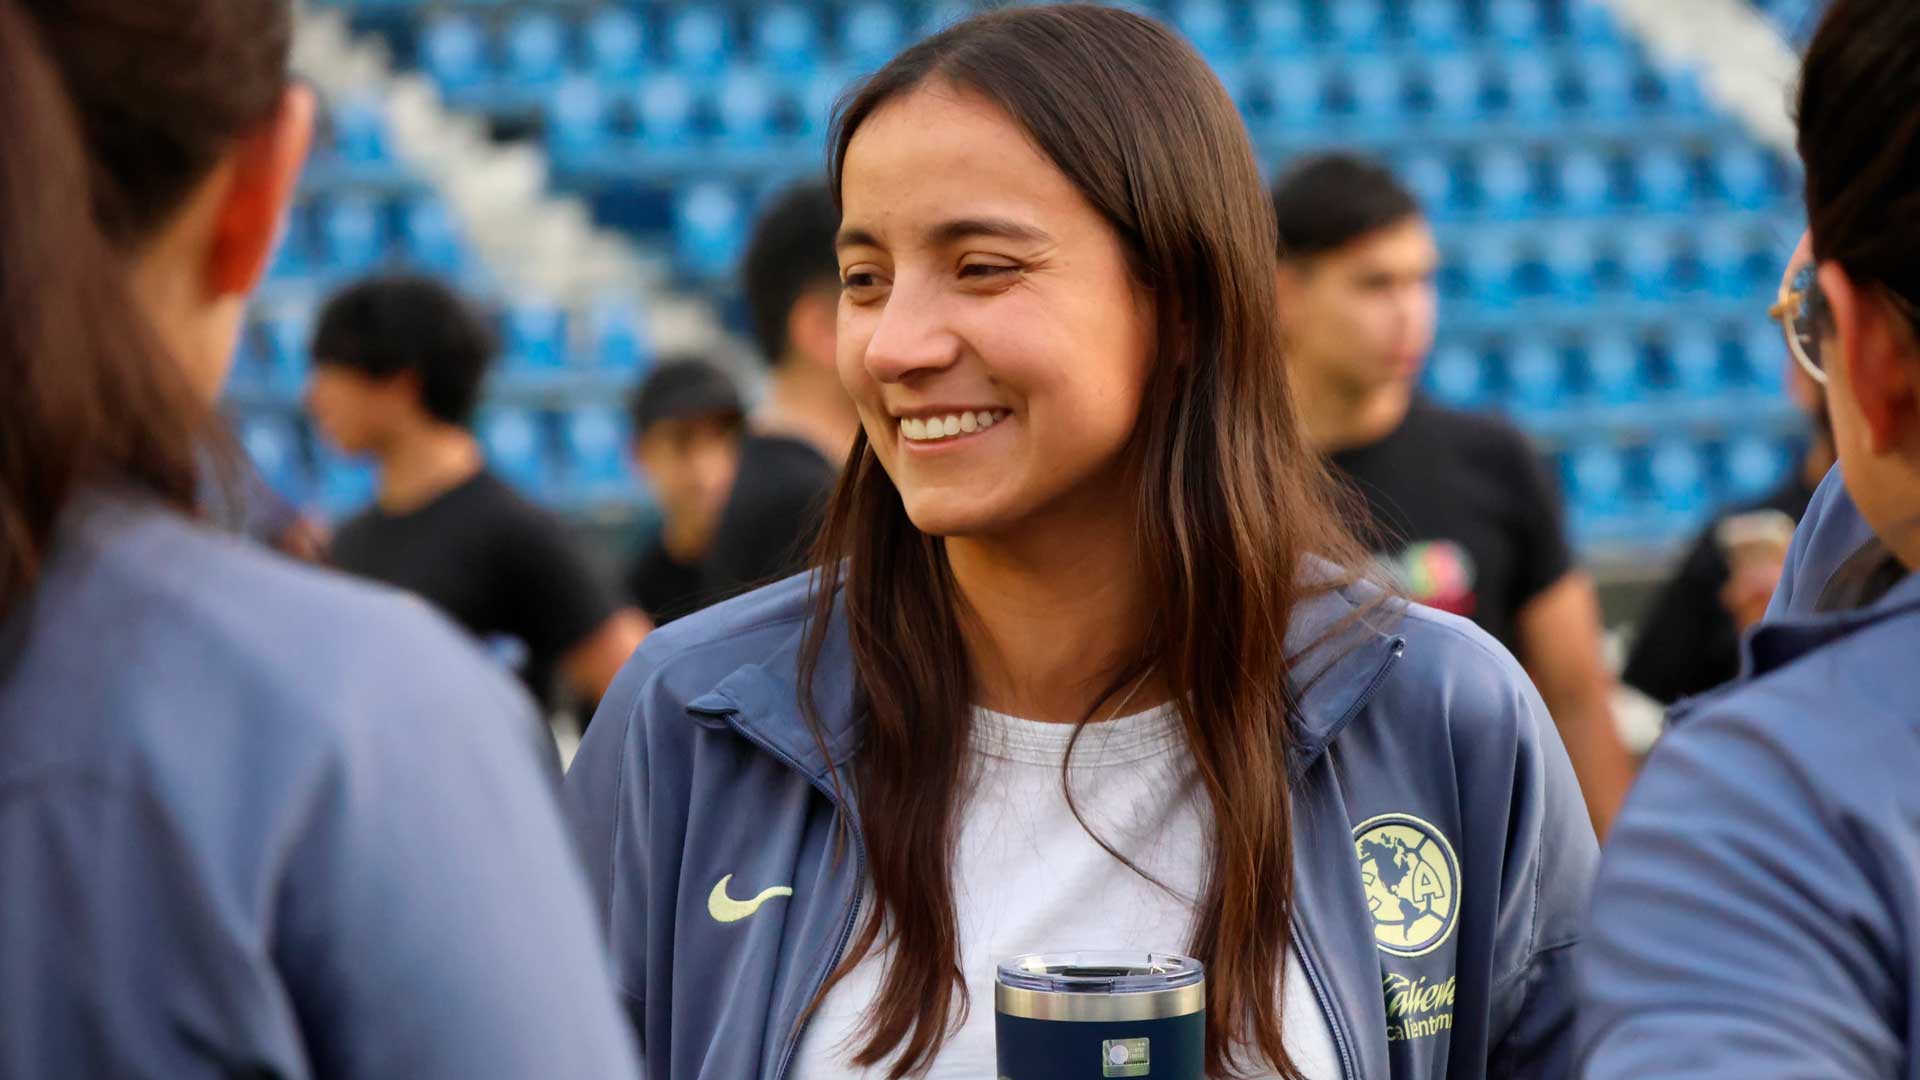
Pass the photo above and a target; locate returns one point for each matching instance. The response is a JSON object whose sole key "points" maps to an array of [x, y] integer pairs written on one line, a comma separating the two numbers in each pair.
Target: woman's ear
{"points": [[1874, 352], [263, 169]]}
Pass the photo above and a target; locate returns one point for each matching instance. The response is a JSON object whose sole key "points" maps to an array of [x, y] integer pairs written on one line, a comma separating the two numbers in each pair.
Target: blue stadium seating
{"points": [[454, 51], [352, 234], [1279, 28], [1755, 466], [1456, 374], [616, 44], [617, 335], [1209, 25], [535, 334], [787, 38], [273, 442], [1357, 26], [872, 33], [710, 227], [431, 239], [697, 38], [516, 442], [536, 50], [1436, 26], [594, 438]]}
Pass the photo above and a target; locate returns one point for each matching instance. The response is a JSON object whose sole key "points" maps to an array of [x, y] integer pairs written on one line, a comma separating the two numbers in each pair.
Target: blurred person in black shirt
{"points": [[1457, 506], [398, 365], [803, 428], [688, 422], [1689, 641]]}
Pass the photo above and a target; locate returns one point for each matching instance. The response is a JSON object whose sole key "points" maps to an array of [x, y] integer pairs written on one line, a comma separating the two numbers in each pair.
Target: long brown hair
{"points": [[1230, 507], [113, 113]]}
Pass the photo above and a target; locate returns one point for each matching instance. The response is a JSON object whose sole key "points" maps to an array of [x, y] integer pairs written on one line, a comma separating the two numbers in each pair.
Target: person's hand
{"points": [[304, 539]]}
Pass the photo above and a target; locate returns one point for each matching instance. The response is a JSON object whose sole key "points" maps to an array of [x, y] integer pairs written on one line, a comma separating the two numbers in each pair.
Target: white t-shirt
{"points": [[1028, 878]]}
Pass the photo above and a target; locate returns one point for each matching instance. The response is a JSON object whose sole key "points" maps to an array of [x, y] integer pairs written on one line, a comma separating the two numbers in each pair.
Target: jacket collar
{"points": [[1777, 644], [1341, 640]]}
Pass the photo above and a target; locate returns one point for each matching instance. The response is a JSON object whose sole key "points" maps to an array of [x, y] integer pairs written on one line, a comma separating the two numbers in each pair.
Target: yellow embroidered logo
{"points": [[726, 909], [1411, 878], [1415, 1006]]}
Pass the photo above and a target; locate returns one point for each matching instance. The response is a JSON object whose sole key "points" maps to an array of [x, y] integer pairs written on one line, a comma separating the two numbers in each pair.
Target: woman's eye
{"points": [[985, 270], [859, 279]]}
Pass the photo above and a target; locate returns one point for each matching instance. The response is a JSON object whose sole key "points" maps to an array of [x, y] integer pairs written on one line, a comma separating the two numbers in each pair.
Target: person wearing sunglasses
{"points": [[1757, 911], [1689, 642]]}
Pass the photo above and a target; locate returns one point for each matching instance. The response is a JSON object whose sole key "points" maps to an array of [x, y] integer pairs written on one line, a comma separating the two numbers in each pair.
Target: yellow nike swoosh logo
{"points": [[726, 909]]}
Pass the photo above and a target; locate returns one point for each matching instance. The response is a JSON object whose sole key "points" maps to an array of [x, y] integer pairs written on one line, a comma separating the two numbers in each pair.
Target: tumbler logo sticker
{"points": [[1411, 879]]}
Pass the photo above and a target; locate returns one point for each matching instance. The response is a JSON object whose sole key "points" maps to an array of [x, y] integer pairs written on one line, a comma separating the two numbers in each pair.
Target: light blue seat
{"points": [[517, 448], [453, 50], [1596, 476], [1592, 26], [594, 439], [1680, 93], [786, 38], [665, 105], [1605, 79], [1647, 256], [1430, 179], [536, 49], [709, 228], [1756, 464], [871, 34], [1490, 266], [1693, 354], [352, 236], [1663, 179], [1374, 92], [1743, 174], [1679, 477], [535, 334], [578, 127], [293, 255], [1293, 86], [1436, 25], [617, 335], [1536, 378], [345, 485], [1505, 181], [697, 38], [1279, 28], [1613, 369], [359, 133], [1763, 346], [1585, 181], [1517, 24], [430, 236], [818, 95], [1567, 257], [1454, 88], [1726, 249], [1208, 24], [286, 331], [273, 443], [1357, 26], [745, 106], [616, 43], [1532, 82], [1456, 374]]}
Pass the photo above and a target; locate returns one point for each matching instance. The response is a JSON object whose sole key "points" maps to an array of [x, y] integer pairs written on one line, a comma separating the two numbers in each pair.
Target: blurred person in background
{"points": [[398, 366], [804, 426], [1689, 640], [1458, 506], [1756, 914], [255, 819], [1089, 659], [688, 422]]}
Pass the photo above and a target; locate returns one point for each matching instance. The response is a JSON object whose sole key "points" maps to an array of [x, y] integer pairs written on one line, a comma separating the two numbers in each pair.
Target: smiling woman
{"points": [[1083, 638]]}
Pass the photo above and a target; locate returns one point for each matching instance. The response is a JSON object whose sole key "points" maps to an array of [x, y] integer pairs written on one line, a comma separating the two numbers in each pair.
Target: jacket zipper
{"points": [[859, 886], [1302, 946]]}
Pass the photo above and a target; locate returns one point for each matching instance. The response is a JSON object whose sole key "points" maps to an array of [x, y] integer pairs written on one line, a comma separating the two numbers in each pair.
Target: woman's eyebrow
{"points": [[953, 231]]}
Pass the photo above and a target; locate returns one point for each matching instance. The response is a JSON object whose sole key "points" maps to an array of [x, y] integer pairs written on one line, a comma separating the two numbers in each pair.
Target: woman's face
{"points": [[991, 333]]}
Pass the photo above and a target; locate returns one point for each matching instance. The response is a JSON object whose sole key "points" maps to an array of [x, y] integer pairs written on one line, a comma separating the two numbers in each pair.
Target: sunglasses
{"points": [[1802, 311]]}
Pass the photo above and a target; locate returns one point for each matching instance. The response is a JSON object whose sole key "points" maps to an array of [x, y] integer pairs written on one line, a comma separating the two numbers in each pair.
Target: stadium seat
{"points": [[1357, 26], [1208, 24], [871, 35], [1756, 465], [1431, 181], [1743, 175], [1535, 378], [1490, 268], [787, 38], [1597, 478], [1605, 84], [1516, 24], [273, 443], [1663, 179], [454, 52], [578, 129], [431, 238], [1763, 348], [1436, 25], [1293, 87], [745, 107], [536, 50], [1567, 258], [1372, 92], [665, 106], [818, 94], [358, 132], [595, 441], [1679, 477], [617, 335], [1613, 370], [1584, 180], [1693, 355], [345, 485], [697, 38], [535, 334], [1454, 88], [1725, 249], [616, 44], [1279, 28], [352, 239], [1505, 181], [516, 447], [1647, 256], [1592, 26], [1456, 374], [1677, 90], [293, 255], [1532, 87], [709, 228]]}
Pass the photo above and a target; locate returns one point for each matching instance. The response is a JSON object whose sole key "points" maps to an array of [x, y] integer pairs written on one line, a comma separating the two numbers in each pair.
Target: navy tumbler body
{"points": [[1092, 1015]]}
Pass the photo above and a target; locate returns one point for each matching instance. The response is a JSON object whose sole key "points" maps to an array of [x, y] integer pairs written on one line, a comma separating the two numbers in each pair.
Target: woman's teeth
{"points": [[934, 428]]}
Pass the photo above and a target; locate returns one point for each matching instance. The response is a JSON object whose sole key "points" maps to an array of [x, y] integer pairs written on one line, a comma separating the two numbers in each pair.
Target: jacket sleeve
{"points": [[1551, 858], [1740, 926], [605, 797]]}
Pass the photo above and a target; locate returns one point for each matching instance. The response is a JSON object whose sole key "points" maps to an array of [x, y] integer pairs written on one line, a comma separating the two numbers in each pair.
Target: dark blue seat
{"points": [[1568, 258], [1490, 266]]}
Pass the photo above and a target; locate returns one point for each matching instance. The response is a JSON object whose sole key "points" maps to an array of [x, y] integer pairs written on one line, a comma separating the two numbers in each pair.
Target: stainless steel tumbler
{"points": [[1089, 1015]]}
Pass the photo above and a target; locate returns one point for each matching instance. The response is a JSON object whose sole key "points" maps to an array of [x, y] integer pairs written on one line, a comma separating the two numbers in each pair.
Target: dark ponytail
{"points": [[1859, 120], [112, 113]]}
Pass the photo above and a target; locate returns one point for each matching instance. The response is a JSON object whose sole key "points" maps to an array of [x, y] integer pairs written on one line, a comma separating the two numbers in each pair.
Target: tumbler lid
{"points": [[1093, 971]]}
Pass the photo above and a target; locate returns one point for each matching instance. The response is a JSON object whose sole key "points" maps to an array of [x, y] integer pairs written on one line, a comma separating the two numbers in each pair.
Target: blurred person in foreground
{"points": [[1457, 506], [1689, 641], [255, 819], [398, 366], [687, 426], [1756, 914], [803, 427], [1088, 658]]}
